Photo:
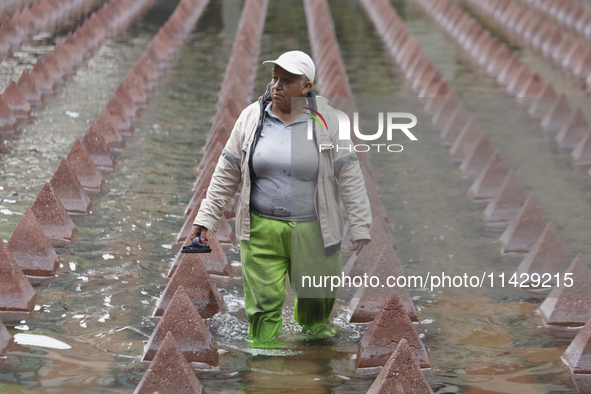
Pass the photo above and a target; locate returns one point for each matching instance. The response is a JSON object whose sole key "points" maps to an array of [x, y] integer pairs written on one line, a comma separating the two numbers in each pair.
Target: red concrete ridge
{"points": [[401, 374], [52, 215], [384, 334], [16, 293], [184, 322], [169, 372], [570, 306], [68, 189], [31, 249]]}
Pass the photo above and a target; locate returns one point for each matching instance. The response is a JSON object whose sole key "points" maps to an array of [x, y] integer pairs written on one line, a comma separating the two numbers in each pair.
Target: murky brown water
{"points": [[485, 341]]}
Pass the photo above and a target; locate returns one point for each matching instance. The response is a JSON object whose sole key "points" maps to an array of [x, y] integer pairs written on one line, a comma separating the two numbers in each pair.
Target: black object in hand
{"points": [[196, 247]]}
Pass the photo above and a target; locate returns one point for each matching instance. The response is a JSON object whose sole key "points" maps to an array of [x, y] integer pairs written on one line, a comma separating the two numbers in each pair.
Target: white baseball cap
{"points": [[296, 62]]}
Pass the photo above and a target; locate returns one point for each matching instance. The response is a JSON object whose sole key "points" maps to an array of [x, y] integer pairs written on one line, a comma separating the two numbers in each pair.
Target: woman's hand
{"points": [[358, 245], [199, 231]]}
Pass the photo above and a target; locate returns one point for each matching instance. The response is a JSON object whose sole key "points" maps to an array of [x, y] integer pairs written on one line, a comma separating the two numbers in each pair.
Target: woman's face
{"points": [[285, 86]]}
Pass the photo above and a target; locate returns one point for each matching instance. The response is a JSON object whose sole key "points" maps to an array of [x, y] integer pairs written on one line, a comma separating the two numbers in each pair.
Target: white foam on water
{"points": [[41, 341]]}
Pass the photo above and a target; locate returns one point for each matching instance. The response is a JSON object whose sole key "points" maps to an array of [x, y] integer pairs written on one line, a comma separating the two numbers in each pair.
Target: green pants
{"points": [[277, 247]]}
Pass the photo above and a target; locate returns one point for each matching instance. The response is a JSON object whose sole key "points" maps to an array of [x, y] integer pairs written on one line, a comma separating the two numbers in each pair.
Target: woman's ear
{"points": [[307, 88]]}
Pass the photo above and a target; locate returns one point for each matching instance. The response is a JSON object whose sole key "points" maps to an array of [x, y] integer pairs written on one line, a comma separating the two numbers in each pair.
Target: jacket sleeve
{"points": [[224, 182], [351, 184]]}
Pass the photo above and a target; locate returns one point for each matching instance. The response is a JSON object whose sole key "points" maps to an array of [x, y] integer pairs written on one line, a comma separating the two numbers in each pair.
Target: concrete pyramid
{"points": [[578, 354], [583, 66], [16, 101], [105, 126], [133, 85], [8, 122], [547, 256], [28, 87], [126, 102], [562, 49], [52, 215], [531, 89], [118, 115], [570, 306], [573, 131], [201, 185], [508, 72], [169, 372], [500, 58], [488, 183], [42, 77], [53, 67], [225, 234], [31, 249], [573, 57], [191, 274], [506, 203], [557, 116], [16, 293], [84, 168], [379, 258], [543, 103], [184, 322], [541, 36], [384, 334], [196, 202], [5, 339], [581, 155], [454, 126], [97, 149], [445, 107], [477, 159], [68, 189], [401, 374], [466, 141], [519, 80], [524, 229]]}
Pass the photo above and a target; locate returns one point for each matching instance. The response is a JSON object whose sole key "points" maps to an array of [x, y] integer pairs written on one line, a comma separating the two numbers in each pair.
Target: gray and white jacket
{"points": [[339, 180]]}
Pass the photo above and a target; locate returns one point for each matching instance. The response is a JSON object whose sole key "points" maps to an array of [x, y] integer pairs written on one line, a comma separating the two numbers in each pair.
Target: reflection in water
{"points": [[482, 341]]}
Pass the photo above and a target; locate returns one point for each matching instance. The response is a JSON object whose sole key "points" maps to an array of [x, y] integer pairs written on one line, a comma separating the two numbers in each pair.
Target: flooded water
{"points": [[487, 340]]}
